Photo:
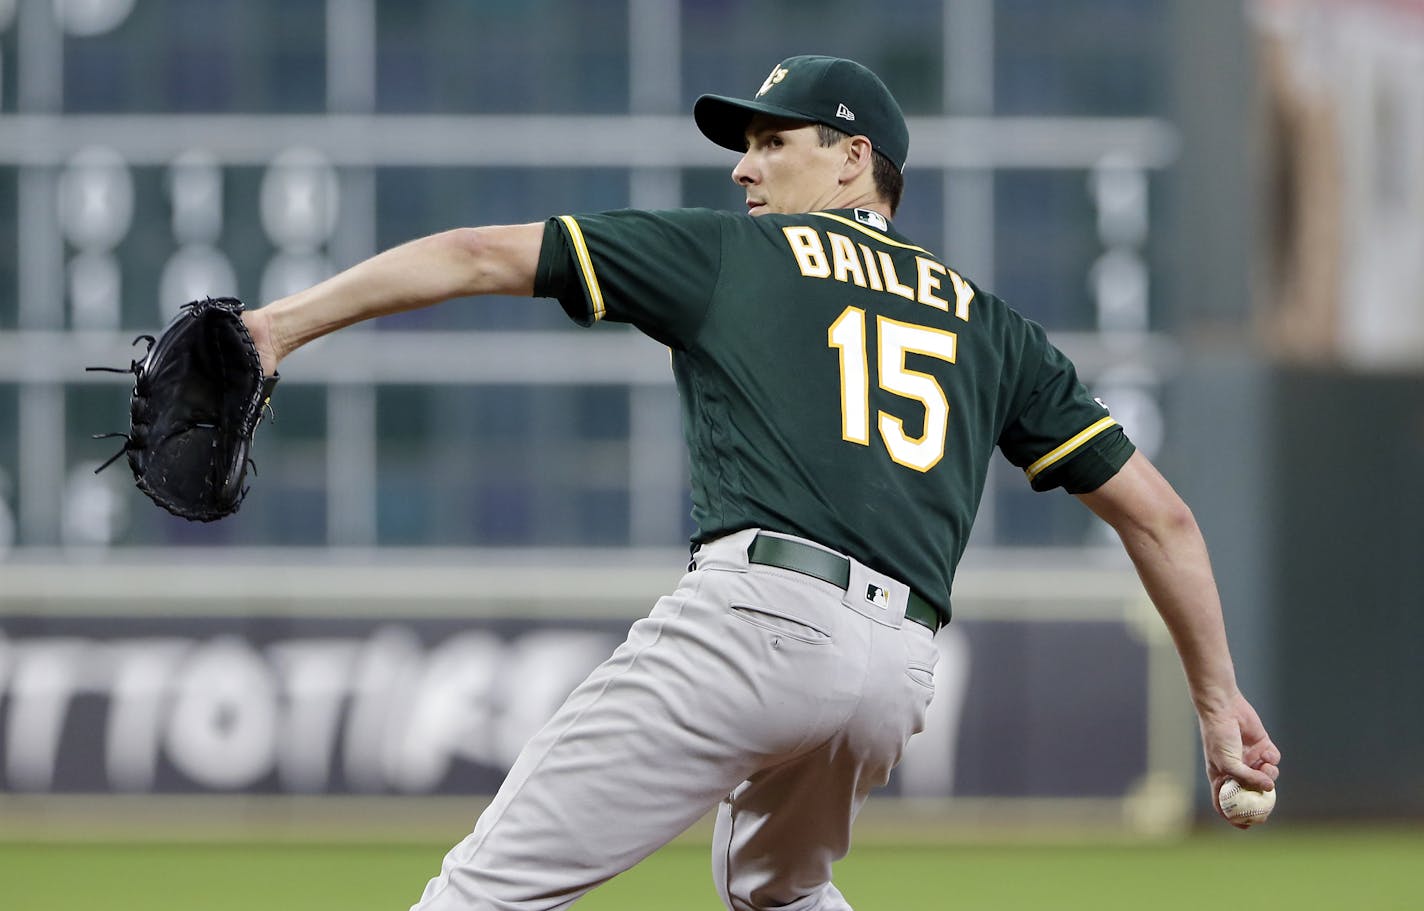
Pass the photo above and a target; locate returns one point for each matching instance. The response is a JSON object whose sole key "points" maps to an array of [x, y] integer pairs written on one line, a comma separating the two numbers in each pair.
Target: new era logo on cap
{"points": [[844, 112]]}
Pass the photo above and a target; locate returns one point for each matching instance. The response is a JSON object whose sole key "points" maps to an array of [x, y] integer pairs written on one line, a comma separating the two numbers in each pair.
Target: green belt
{"points": [[828, 567]]}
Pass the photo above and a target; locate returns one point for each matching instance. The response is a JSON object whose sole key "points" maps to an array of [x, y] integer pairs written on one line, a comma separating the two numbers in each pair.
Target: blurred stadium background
{"points": [[1217, 208]]}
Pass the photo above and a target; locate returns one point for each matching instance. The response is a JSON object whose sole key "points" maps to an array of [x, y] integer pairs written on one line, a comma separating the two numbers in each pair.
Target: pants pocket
{"points": [[924, 676], [780, 623], [921, 658]]}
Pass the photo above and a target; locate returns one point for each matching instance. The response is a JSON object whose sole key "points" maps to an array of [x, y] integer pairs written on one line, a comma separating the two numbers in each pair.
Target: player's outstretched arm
{"points": [[458, 263], [1166, 546]]}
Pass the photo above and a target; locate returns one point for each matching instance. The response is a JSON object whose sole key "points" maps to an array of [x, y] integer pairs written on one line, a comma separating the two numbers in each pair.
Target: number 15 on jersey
{"points": [[894, 341]]}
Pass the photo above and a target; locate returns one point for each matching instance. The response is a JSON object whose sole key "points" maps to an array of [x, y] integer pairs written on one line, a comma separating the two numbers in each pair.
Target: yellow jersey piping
{"points": [[590, 279], [869, 233], [1068, 448]]}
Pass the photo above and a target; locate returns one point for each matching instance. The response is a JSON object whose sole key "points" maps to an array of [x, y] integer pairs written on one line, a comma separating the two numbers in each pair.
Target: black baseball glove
{"points": [[198, 396]]}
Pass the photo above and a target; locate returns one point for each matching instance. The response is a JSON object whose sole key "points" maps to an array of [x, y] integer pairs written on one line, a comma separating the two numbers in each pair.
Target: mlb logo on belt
{"points": [[877, 596]]}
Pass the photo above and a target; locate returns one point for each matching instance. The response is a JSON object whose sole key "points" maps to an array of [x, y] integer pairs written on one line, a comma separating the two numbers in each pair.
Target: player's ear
{"points": [[858, 155]]}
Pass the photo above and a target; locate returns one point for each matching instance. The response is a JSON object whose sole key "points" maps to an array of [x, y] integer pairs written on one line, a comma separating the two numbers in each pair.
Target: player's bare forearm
{"points": [[1165, 544], [458, 263], [1162, 538]]}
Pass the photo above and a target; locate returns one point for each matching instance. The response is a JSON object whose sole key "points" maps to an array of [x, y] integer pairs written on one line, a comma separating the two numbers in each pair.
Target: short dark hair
{"points": [[889, 182]]}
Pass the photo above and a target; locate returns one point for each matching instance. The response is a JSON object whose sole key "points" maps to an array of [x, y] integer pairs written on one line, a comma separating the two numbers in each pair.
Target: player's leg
{"points": [[600, 786], [779, 832], [685, 709]]}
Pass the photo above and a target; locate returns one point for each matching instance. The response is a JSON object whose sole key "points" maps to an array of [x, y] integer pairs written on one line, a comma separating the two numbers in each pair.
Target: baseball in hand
{"points": [[1243, 806]]}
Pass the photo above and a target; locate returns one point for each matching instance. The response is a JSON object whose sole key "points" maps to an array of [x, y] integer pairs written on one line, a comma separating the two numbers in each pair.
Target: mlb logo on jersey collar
{"points": [[874, 219]]}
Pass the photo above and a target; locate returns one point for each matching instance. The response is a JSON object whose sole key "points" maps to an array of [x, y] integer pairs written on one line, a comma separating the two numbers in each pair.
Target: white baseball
{"points": [[1244, 806]]}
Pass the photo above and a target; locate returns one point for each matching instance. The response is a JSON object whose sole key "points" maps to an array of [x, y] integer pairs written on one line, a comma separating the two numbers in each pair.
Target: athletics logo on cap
{"points": [[778, 73]]}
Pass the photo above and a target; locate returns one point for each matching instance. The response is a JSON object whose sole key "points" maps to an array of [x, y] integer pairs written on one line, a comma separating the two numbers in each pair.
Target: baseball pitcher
{"points": [[843, 389]]}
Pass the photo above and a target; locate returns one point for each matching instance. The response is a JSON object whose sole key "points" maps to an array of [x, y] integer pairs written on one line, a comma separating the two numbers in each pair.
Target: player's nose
{"points": [[744, 174]]}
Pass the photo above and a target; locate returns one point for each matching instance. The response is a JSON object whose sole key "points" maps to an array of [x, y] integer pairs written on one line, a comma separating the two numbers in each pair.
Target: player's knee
{"points": [[771, 898]]}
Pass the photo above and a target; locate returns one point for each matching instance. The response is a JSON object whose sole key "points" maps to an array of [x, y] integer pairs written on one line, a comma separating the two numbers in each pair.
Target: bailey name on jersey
{"points": [[842, 259]]}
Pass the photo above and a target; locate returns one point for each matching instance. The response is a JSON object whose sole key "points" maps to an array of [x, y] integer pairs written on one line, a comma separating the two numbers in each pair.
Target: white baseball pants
{"points": [[774, 696]]}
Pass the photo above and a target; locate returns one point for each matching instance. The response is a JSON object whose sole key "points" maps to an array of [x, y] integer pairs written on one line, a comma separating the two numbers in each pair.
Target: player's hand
{"points": [[259, 326], [1236, 745]]}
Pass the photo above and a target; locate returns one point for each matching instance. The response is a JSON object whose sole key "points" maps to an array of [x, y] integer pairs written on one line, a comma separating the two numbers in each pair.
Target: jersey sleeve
{"points": [[1058, 433], [655, 270]]}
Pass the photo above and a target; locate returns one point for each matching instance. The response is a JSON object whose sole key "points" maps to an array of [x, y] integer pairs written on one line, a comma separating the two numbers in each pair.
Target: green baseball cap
{"points": [[831, 90]]}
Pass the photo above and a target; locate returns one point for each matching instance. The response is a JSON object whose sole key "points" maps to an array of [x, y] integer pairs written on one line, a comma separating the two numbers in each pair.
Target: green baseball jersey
{"points": [[838, 382]]}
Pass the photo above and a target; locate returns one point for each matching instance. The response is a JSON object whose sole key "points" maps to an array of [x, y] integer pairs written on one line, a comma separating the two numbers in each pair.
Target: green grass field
{"points": [[1349, 869]]}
